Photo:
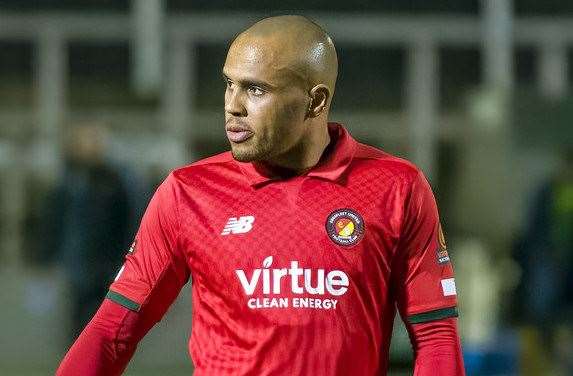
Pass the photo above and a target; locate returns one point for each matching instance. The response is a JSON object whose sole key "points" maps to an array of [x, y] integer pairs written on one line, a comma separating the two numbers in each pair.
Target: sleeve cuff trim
{"points": [[438, 314], [123, 301]]}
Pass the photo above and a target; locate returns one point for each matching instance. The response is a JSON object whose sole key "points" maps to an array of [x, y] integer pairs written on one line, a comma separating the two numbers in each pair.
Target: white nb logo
{"points": [[238, 226]]}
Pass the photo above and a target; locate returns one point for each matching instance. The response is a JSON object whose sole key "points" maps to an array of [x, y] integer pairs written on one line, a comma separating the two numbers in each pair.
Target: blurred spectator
{"points": [[86, 222], [545, 254]]}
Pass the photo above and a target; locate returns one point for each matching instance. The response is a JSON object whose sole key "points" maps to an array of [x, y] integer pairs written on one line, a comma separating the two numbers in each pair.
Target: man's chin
{"points": [[244, 155]]}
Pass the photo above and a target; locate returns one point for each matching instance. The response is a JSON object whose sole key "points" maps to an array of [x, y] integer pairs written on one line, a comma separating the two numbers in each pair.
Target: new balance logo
{"points": [[238, 226]]}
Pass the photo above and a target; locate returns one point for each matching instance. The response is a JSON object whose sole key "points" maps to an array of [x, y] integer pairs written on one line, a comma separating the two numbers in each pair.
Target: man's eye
{"points": [[256, 90], [229, 83]]}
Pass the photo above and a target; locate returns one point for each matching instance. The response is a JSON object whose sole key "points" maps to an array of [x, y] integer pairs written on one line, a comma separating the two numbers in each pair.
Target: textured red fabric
{"points": [[99, 350], [108, 342], [437, 348], [277, 288]]}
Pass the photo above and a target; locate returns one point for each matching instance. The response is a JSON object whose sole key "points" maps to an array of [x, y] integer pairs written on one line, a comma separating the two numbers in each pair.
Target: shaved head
{"points": [[298, 45], [281, 74]]}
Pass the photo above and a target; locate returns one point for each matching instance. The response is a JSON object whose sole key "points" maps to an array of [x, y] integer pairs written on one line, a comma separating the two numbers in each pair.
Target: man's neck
{"points": [[303, 158]]}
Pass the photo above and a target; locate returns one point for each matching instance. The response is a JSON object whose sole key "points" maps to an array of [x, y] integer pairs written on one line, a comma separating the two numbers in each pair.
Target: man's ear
{"points": [[319, 96]]}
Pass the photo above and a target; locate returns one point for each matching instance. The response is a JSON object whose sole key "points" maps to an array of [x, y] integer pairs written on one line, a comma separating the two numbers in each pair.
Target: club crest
{"points": [[345, 227]]}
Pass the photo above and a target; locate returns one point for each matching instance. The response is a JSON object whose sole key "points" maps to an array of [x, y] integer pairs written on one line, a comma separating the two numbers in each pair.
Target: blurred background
{"points": [[99, 99]]}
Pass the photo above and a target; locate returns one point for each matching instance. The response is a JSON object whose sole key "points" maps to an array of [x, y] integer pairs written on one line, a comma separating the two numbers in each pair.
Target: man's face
{"points": [[265, 102]]}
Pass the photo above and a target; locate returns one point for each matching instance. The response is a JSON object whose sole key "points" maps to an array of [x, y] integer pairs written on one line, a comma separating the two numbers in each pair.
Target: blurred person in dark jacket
{"points": [[86, 222], [546, 257]]}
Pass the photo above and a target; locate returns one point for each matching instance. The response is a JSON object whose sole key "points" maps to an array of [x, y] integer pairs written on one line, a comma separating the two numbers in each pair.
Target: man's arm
{"points": [[108, 342], [154, 272], [437, 348], [100, 349], [423, 280]]}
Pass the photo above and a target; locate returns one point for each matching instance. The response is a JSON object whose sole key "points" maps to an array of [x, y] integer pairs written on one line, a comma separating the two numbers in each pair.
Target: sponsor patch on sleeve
{"points": [[448, 287], [132, 248], [442, 251]]}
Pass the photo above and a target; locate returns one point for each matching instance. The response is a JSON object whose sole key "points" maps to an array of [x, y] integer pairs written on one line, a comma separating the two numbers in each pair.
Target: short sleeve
{"points": [[154, 262], [423, 275]]}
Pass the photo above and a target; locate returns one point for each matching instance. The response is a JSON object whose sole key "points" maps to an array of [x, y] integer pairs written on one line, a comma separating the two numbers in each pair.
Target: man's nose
{"points": [[234, 103]]}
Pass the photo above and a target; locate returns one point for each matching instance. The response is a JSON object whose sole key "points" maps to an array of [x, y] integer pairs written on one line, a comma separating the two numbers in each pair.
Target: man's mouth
{"points": [[239, 136], [238, 133]]}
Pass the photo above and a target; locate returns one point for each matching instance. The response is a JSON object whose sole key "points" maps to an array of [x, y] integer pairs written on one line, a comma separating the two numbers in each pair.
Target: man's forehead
{"points": [[255, 52], [263, 59]]}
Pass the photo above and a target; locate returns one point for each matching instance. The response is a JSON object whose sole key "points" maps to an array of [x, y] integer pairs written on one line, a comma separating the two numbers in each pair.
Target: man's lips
{"points": [[238, 134]]}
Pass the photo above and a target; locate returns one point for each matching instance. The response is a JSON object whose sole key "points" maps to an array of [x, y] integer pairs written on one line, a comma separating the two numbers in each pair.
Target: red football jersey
{"points": [[297, 276]]}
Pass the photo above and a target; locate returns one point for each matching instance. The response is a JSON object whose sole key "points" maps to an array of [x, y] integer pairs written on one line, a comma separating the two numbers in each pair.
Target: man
{"points": [[86, 222], [545, 254], [300, 240]]}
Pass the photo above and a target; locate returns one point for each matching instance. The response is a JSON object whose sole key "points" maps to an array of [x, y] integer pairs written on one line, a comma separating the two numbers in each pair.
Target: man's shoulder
{"points": [[214, 161], [220, 164], [388, 164]]}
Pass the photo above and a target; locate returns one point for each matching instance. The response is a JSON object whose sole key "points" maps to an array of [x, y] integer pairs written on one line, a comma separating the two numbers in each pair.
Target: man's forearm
{"points": [[106, 344], [437, 348]]}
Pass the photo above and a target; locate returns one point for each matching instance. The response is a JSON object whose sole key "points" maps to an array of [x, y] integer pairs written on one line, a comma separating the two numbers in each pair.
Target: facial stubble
{"points": [[251, 151]]}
